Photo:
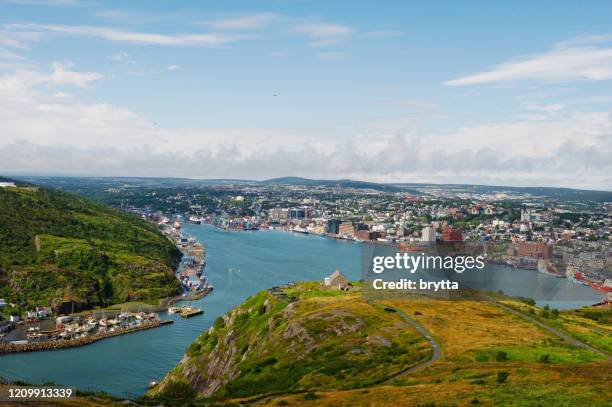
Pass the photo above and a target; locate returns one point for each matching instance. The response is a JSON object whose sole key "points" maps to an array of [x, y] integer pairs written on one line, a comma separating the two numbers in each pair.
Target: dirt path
{"points": [[437, 350], [570, 339]]}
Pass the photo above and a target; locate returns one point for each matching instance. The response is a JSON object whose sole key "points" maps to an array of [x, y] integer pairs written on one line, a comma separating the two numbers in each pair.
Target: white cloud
{"points": [[580, 59], [123, 57], [41, 126], [551, 108], [60, 75], [173, 67], [141, 38], [324, 34], [246, 22], [62, 95], [19, 39], [44, 2]]}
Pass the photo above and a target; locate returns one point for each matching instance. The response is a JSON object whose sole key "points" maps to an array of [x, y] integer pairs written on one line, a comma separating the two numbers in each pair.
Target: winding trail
{"points": [[568, 338], [437, 350]]}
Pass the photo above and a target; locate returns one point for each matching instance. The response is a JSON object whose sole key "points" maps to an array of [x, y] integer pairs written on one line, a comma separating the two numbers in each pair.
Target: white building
{"points": [[428, 234]]}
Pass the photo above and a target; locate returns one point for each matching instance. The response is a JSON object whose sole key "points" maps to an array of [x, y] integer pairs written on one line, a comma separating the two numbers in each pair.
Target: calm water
{"points": [[239, 265]]}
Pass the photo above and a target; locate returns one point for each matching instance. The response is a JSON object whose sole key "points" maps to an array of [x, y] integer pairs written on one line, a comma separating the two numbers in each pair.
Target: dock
{"points": [[190, 312], [76, 342]]}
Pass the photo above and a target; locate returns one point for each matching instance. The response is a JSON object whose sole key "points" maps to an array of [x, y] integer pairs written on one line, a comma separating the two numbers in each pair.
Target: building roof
{"points": [[336, 274]]}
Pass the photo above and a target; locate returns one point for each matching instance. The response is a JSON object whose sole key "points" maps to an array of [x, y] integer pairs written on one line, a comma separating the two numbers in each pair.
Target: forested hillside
{"points": [[57, 248]]}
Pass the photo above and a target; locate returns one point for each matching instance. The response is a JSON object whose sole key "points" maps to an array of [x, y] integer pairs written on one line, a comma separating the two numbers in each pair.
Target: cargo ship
{"points": [[605, 287], [548, 268], [576, 276]]}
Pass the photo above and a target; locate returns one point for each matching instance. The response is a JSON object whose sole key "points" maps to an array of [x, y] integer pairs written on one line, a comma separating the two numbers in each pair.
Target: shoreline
{"points": [[7, 348], [163, 306]]}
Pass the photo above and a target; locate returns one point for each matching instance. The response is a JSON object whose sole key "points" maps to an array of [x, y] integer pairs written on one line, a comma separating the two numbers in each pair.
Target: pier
{"points": [[72, 343]]}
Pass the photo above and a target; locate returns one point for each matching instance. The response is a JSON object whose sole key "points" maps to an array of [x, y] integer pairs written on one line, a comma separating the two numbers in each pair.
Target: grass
{"points": [[490, 357], [327, 339]]}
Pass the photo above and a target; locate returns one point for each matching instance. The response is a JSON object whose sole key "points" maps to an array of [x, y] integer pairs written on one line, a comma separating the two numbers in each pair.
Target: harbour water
{"points": [[239, 264]]}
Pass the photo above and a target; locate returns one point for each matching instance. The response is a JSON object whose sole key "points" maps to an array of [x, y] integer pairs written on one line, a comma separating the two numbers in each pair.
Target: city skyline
{"points": [[256, 90]]}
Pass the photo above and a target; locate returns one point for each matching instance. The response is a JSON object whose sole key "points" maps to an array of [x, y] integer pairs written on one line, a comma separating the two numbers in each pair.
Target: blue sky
{"points": [[512, 93]]}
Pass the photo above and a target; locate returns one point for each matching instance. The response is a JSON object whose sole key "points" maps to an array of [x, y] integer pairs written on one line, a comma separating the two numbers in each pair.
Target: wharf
{"points": [[191, 313], [72, 343]]}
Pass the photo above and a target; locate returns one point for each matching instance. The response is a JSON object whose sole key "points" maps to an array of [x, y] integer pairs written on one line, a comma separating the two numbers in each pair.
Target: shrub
{"points": [[178, 391], [502, 377], [544, 359], [310, 396], [501, 356]]}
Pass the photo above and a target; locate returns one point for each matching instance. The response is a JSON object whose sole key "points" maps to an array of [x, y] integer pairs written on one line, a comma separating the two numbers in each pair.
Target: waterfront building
{"points": [[428, 234], [536, 250], [333, 226], [368, 235], [279, 214], [346, 228], [452, 235]]}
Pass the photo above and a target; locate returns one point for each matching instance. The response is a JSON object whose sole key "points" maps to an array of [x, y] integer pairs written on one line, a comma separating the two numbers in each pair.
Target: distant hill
{"points": [[340, 183], [81, 185], [566, 194], [58, 249]]}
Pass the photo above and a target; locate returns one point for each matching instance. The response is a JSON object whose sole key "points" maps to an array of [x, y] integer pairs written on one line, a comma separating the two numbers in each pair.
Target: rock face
{"points": [[312, 340]]}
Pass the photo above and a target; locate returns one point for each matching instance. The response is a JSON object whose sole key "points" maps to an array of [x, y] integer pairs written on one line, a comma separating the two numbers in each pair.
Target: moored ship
{"points": [[548, 268]]}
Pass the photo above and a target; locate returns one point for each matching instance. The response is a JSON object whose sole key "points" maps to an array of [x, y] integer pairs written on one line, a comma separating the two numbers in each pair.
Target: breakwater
{"points": [[72, 343]]}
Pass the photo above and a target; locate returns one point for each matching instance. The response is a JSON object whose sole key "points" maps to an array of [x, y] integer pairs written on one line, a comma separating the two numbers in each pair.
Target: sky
{"points": [[498, 93]]}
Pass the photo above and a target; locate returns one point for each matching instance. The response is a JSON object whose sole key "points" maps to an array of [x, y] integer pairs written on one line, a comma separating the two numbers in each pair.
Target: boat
{"points": [[298, 229], [576, 276], [173, 310], [605, 287], [548, 268], [194, 220]]}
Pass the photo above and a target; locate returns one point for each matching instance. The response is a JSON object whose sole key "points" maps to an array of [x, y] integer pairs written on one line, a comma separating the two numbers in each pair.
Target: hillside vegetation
{"points": [[58, 249], [321, 346], [324, 340]]}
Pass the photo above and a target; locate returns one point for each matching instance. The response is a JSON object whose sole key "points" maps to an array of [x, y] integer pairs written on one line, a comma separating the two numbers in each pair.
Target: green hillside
{"points": [[319, 346], [58, 249]]}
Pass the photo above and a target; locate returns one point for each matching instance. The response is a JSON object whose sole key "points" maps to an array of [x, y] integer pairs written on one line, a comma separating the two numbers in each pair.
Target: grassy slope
{"points": [[325, 340], [57, 247], [472, 334], [542, 370]]}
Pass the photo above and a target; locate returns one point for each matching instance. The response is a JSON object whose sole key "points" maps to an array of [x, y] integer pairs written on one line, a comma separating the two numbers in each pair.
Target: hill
{"points": [[57, 249], [319, 346], [339, 183]]}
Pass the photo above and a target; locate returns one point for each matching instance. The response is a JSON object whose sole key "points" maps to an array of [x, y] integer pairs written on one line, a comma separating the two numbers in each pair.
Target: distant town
{"points": [[560, 232]]}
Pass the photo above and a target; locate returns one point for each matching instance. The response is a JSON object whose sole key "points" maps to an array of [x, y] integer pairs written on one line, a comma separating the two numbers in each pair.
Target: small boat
{"points": [[173, 310]]}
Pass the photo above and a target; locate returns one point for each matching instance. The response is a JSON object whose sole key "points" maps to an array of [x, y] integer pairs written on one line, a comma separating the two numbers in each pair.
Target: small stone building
{"points": [[337, 280]]}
